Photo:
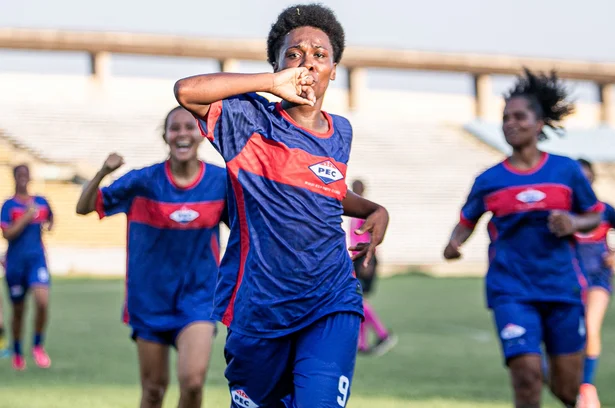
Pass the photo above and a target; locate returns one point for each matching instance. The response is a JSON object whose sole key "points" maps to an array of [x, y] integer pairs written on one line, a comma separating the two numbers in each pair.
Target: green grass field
{"points": [[447, 355]]}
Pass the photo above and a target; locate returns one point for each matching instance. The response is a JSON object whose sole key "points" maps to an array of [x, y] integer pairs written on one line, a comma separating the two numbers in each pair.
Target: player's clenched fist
{"points": [[113, 162], [294, 85]]}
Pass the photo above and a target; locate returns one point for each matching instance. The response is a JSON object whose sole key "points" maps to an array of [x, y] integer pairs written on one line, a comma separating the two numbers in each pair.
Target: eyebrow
{"points": [[301, 46]]}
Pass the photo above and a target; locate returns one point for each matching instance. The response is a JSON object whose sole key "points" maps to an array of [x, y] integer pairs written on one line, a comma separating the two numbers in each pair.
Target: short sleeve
{"points": [[609, 213], [5, 217], [474, 207], [230, 123], [584, 199], [50, 211], [117, 197]]}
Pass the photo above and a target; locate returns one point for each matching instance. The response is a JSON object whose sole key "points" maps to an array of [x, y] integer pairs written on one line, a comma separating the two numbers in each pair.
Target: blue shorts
{"points": [[602, 278], [522, 328], [24, 272], [164, 337], [310, 368]]}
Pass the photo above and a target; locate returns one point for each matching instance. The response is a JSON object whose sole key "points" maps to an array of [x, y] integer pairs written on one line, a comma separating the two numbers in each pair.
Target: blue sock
{"points": [[38, 339], [17, 347], [589, 371]]}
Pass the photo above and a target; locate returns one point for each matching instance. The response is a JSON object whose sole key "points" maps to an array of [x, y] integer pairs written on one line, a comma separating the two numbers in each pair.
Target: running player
{"points": [[173, 211], [534, 285], [367, 276], [23, 217], [3, 344], [286, 287], [597, 260]]}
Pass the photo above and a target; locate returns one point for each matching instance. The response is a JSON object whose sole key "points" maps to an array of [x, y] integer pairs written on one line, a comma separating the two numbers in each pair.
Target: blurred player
{"points": [[23, 217], [534, 285], [173, 211], [597, 260], [286, 287], [3, 344], [367, 276]]}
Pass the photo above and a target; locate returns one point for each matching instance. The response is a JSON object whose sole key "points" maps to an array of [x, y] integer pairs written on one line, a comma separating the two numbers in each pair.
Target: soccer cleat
{"points": [[19, 363], [41, 359], [588, 397], [383, 346]]}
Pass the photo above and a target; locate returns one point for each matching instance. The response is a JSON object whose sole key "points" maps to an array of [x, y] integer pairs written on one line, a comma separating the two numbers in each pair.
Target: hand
{"points": [[295, 86], [376, 224], [32, 211], [452, 251], [113, 162], [562, 223], [49, 226], [608, 259]]}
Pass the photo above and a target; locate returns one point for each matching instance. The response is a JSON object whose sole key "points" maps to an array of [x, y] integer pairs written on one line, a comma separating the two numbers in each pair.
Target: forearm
{"points": [[198, 92], [461, 234], [356, 206], [587, 222], [87, 201], [15, 230]]}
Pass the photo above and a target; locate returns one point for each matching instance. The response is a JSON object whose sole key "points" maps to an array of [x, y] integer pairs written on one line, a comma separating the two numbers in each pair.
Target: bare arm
{"points": [[376, 222], [15, 229], [196, 93], [461, 233], [87, 201], [587, 222], [563, 223]]}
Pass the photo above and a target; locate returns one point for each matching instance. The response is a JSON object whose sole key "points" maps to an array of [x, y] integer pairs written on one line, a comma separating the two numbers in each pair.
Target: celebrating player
{"points": [[3, 350], [367, 276], [534, 285], [23, 217], [286, 287], [597, 260], [173, 210]]}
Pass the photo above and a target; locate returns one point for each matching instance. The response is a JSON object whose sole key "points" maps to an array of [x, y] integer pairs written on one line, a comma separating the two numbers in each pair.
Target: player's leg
{"points": [[153, 351], [2, 332], [194, 345], [565, 331], [520, 331], [39, 282], [17, 285], [324, 362], [259, 371]]}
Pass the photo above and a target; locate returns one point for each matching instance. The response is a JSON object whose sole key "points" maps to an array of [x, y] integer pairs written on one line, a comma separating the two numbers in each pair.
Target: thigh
{"points": [[194, 343], [564, 328], [259, 371], [38, 274], [325, 360], [16, 280], [519, 328], [153, 362], [598, 300]]}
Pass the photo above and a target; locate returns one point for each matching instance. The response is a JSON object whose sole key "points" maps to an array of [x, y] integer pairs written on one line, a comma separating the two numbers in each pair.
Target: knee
{"points": [[192, 384], [154, 390], [565, 392], [528, 385]]}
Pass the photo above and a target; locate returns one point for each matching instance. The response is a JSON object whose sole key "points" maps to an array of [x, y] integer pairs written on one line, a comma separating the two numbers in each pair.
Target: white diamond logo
{"points": [[327, 172], [530, 196], [184, 215]]}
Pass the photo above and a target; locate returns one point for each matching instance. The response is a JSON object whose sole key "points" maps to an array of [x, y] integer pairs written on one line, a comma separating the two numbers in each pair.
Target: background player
{"points": [[173, 210], [286, 287], [597, 260], [534, 284], [23, 217], [3, 344], [367, 276]]}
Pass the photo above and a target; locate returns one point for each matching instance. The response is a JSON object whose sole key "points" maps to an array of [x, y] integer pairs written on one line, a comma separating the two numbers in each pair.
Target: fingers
{"points": [[299, 100], [371, 250], [360, 253]]}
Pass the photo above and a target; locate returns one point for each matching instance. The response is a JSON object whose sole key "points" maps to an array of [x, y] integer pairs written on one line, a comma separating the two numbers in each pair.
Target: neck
{"points": [[526, 157], [185, 170], [310, 117], [21, 192]]}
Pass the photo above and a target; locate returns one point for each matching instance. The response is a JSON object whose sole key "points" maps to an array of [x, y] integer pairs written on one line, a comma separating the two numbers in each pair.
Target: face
{"points": [[520, 124], [308, 47], [22, 178], [183, 136], [358, 188], [588, 173]]}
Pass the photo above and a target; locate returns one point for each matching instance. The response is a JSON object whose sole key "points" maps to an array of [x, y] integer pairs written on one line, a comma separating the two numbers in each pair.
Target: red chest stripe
{"points": [[533, 197], [176, 215], [41, 216]]}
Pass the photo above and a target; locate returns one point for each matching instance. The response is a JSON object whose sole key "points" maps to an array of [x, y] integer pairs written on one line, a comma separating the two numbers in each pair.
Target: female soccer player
{"points": [[23, 218], [173, 211], [597, 260], [3, 351], [286, 288], [534, 285], [367, 276]]}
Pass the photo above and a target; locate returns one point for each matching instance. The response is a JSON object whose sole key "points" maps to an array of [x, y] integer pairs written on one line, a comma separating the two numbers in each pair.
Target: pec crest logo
{"points": [[184, 215], [530, 196], [241, 399], [327, 172]]}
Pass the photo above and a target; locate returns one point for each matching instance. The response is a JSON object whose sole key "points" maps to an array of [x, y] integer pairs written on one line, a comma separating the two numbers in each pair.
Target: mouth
{"points": [[183, 146]]}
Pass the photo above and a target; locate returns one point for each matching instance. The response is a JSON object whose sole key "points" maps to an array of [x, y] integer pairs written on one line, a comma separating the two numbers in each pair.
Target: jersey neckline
{"points": [[167, 170], [287, 117], [538, 166]]}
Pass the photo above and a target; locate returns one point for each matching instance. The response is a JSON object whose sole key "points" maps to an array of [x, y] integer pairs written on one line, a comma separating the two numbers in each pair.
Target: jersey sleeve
{"points": [[584, 199], [50, 211], [117, 197], [609, 213], [5, 217], [230, 123], [474, 207]]}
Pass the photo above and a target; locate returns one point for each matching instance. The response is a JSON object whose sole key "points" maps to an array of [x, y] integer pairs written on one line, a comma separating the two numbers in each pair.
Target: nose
{"points": [[308, 62]]}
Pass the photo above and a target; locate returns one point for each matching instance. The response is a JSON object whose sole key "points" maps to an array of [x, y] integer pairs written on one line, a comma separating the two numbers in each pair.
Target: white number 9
{"points": [[343, 388]]}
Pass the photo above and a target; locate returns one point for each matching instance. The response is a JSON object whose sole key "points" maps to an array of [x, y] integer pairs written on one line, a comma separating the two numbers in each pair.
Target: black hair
{"points": [[546, 95], [166, 122], [586, 163], [306, 15], [19, 166]]}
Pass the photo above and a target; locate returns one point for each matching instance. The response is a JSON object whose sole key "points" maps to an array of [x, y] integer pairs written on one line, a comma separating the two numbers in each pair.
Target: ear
{"points": [[539, 125], [333, 72]]}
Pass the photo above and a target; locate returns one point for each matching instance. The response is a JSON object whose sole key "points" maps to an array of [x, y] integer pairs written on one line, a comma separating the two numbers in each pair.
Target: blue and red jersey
{"points": [[526, 261], [286, 263], [172, 243], [30, 242], [593, 246]]}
